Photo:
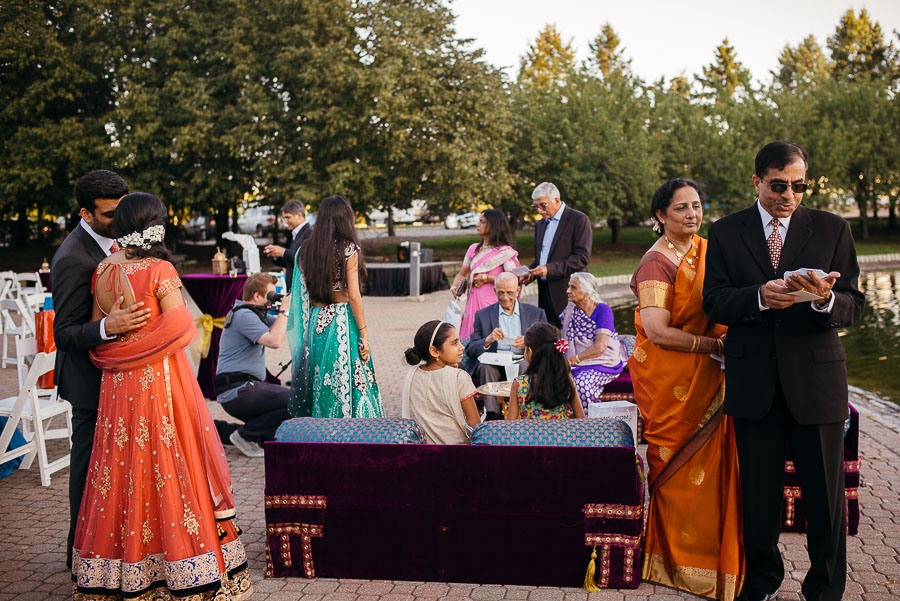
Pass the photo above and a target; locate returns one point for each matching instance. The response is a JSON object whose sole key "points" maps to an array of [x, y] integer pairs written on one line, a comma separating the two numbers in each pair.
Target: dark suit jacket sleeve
{"points": [[848, 300], [724, 302], [72, 300], [581, 244], [480, 331], [287, 258]]}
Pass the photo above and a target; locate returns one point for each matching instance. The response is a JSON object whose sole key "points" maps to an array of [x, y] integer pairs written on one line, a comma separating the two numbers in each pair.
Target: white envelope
{"points": [[803, 295]]}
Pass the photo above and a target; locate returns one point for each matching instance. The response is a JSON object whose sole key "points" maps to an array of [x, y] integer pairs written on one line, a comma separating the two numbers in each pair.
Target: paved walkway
{"points": [[34, 520]]}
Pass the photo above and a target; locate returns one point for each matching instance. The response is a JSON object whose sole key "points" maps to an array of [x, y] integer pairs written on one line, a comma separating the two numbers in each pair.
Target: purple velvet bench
{"points": [[526, 515], [794, 520]]}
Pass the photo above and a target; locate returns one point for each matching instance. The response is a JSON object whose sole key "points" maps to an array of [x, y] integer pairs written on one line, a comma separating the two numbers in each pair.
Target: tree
{"points": [[548, 61], [593, 143], [192, 108], [55, 98], [803, 66], [725, 75], [858, 48], [607, 56]]}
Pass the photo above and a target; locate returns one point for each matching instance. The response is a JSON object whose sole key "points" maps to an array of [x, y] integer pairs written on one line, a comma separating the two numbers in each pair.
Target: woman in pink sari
{"points": [[484, 261]]}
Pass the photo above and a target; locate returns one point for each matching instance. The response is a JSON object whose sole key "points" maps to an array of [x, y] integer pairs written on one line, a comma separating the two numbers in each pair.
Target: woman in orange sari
{"points": [[693, 536], [156, 516]]}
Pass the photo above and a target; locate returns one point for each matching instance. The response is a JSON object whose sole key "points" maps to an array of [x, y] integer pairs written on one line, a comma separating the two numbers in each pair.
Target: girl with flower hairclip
{"points": [[547, 389]]}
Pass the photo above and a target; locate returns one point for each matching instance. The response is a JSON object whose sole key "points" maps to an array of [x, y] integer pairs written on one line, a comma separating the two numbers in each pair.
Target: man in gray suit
{"points": [[494, 326]]}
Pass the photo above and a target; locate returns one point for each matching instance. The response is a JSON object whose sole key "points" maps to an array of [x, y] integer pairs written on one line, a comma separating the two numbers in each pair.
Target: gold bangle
{"points": [[720, 344], [695, 342]]}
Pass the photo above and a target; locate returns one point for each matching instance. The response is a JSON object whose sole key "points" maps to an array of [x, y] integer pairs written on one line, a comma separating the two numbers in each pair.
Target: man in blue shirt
{"points": [[241, 367], [562, 246], [500, 327]]}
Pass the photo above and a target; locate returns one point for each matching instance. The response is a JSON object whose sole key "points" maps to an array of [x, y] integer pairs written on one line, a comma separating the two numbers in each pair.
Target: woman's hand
{"points": [[479, 279], [454, 290], [573, 360], [364, 349]]}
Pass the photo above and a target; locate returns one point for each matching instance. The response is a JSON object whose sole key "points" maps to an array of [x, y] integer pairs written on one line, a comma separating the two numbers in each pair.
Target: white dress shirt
{"points": [[511, 324], [105, 245], [549, 234], [784, 225]]}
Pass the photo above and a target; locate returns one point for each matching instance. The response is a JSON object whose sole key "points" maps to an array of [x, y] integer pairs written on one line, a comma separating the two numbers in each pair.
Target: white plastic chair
{"points": [[28, 406], [17, 321]]}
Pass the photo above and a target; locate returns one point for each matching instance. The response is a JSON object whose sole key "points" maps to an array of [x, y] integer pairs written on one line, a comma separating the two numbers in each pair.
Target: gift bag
{"points": [[453, 315], [43, 324]]}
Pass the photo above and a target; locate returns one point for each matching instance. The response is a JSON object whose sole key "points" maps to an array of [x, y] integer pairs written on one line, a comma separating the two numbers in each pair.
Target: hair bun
{"points": [[412, 357]]}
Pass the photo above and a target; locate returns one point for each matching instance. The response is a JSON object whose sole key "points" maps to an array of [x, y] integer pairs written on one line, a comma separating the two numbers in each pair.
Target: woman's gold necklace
{"points": [[678, 255]]}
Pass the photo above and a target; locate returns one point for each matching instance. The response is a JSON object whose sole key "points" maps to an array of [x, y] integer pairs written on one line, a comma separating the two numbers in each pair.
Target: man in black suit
{"points": [[785, 373], [494, 325], [293, 214], [562, 246], [73, 264]]}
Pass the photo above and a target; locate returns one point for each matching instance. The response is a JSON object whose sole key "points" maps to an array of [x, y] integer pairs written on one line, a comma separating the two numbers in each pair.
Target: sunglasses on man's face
{"points": [[780, 187]]}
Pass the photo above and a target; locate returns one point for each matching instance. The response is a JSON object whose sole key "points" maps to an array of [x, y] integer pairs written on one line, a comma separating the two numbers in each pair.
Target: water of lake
{"points": [[873, 345]]}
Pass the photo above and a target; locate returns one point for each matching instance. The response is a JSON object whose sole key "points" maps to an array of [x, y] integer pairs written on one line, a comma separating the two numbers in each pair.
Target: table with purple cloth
{"points": [[45, 280], [214, 295]]}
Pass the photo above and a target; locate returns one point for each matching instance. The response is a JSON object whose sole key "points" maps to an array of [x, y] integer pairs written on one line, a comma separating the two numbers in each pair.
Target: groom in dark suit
{"points": [[73, 264], [562, 246], [785, 373], [293, 214], [495, 323]]}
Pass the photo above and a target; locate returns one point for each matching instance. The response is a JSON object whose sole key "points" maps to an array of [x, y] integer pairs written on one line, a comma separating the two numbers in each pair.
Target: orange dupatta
{"points": [[693, 539]]}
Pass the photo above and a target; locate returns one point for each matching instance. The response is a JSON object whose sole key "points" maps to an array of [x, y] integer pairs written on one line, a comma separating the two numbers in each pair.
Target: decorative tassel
{"points": [[589, 584]]}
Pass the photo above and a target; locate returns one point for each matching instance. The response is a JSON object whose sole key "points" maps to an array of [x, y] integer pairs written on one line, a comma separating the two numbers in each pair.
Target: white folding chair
{"points": [[5, 288], [35, 301], [28, 406], [29, 283], [17, 321], [10, 276], [26, 349]]}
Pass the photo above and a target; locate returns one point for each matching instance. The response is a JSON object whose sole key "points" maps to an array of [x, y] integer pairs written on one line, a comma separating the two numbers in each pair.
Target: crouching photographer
{"points": [[241, 369]]}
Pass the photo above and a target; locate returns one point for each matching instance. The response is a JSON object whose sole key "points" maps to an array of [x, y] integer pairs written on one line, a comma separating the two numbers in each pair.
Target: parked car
{"points": [[199, 227], [465, 220], [259, 221], [417, 211]]}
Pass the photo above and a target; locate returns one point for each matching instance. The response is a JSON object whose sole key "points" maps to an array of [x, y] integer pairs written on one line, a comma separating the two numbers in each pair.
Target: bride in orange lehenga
{"points": [[156, 516]]}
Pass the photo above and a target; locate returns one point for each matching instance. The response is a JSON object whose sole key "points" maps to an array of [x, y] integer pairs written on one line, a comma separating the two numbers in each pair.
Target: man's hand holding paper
{"points": [[811, 284]]}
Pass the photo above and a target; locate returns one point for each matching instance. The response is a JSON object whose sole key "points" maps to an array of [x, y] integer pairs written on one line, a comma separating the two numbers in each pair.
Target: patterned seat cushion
{"points": [[598, 432], [393, 430], [628, 341]]}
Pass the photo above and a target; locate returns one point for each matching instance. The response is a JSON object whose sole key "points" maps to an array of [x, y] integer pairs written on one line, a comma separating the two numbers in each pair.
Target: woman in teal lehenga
{"points": [[332, 373]]}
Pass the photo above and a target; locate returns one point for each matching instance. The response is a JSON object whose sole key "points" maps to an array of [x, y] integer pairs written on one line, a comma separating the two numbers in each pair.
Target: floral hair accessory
{"points": [[561, 345], [144, 239]]}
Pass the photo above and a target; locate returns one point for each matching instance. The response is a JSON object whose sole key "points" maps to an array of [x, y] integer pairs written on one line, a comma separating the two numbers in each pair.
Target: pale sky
{"points": [[663, 37]]}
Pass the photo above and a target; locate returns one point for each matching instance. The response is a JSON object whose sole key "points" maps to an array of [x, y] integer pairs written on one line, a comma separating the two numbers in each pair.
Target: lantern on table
{"points": [[219, 263]]}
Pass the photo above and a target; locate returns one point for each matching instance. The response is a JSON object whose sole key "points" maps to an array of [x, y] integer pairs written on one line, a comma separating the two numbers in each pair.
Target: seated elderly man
{"points": [[499, 327]]}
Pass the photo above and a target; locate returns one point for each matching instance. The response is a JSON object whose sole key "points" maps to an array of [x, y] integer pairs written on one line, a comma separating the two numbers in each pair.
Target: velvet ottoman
{"points": [[486, 514], [793, 517]]}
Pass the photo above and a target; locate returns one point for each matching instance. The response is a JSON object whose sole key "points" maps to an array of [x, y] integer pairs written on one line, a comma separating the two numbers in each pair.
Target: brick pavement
{"points": [[33, 519]]}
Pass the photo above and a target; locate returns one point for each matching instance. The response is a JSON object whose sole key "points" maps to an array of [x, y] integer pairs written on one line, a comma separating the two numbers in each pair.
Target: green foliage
{"points": [[858, 48], [802, 67], [548, 61], [725, 75], [606, 54], [208, 104]]}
